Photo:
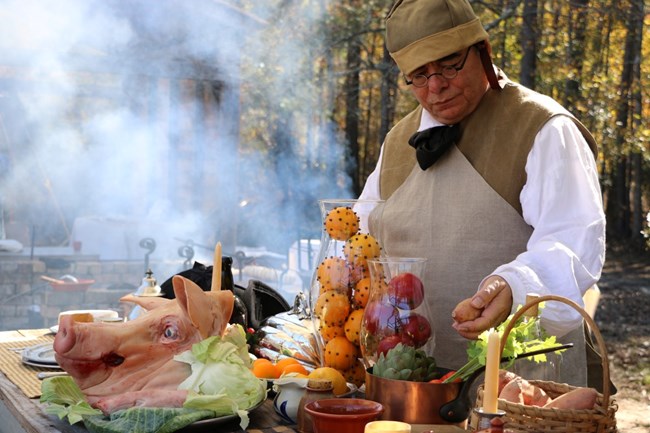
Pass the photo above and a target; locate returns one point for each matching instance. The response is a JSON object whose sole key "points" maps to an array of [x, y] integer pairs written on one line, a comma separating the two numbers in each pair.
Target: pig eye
{"points": [[170, 332]]}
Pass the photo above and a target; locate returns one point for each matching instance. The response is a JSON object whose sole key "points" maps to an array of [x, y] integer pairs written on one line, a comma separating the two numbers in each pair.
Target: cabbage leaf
{"points": [[221, 379]]}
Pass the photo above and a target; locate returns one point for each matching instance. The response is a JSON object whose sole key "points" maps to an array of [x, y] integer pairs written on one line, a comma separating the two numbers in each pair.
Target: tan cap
{"points": [[423, 31]]}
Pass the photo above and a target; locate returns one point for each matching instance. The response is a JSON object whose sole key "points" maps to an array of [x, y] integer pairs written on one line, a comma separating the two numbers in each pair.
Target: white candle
{"points": [[387, 427], [490, 403], [216, 268]]}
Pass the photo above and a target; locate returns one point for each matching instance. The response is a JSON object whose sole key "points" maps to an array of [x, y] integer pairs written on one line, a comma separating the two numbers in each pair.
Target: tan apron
{"points": [[451, 216]]}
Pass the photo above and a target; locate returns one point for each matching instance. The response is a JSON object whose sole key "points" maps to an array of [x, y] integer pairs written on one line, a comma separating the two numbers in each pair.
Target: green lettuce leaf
{"points": [[221, 379], [145, 420], [65, 399]]}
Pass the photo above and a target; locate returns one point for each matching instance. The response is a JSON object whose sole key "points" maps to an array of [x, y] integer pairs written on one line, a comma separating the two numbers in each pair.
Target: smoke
{"points": [[123, 115]]}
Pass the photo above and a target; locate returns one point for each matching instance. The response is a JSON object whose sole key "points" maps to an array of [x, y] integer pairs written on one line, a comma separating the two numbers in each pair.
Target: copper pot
{"points": [[412, 402]]}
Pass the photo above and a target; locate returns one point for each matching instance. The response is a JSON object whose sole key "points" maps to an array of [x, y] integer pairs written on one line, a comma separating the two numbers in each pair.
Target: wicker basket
{"points": [[523, 418]]}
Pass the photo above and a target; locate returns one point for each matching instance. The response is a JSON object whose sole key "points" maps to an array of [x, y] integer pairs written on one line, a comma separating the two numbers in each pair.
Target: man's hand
{"points": [[490, 306]]}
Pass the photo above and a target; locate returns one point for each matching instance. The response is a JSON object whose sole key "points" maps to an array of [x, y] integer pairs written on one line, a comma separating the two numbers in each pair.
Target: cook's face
{"points": [[451, 100]]}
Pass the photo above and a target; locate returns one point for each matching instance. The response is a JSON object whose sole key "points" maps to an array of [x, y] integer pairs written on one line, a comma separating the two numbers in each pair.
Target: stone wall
{"points": [[27, 301]]}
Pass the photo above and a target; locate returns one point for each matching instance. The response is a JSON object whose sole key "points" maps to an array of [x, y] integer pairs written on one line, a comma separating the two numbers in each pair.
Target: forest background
{"points": [[346, 91]]}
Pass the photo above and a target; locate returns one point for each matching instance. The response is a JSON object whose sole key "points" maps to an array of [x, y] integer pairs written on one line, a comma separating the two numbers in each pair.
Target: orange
{"points": [[260, 361], [340, 353], [285, 362], [332, 308], [265, 369], [358, 273], [329, 331], [295, 368], [361, 292], [333, 274], [361, 247], [341, 223], [352, 326], [356, 374]]}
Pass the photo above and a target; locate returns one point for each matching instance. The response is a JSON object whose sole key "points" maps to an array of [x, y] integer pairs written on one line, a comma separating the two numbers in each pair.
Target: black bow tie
{"points": [[432, 143]]}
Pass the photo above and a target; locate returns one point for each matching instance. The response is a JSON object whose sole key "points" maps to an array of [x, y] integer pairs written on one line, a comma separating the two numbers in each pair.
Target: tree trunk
{"points": [[390, 72], [575, 54], [529, 34], [637, 103], [619, 204], [351, 92]]}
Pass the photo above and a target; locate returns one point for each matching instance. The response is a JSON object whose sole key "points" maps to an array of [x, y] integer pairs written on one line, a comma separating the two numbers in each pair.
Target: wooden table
{"points": [[22, 413]]}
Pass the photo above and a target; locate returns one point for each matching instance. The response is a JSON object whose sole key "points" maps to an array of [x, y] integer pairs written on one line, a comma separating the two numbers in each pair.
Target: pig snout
{"points": [[70, 342], [66, 335]]}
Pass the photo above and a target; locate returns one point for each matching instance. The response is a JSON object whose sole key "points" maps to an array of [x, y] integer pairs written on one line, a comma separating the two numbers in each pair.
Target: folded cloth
{"points": [[10, 245]]}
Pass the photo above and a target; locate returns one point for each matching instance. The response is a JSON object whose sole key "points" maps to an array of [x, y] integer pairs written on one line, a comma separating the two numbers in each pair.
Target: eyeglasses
{"points": [[449, 72]]}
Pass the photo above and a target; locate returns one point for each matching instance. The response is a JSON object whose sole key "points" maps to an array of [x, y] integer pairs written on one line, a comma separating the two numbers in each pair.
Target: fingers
{"points": [[492, 305], [490, 288], [472, 329]]}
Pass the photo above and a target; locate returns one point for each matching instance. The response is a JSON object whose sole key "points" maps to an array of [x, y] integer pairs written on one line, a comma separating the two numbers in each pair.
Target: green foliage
{"points": [[296, 80], [521, 339]]}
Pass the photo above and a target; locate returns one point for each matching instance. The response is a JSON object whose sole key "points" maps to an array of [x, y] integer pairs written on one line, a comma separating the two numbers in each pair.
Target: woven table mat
{"points": [[22, 375], [276, 429]]}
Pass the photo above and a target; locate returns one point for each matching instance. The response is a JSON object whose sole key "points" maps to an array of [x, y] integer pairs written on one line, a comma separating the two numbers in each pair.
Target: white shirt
{"points": [[562, 201]]}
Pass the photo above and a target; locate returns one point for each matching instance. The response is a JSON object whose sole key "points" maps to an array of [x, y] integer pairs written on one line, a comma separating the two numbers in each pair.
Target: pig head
{"points": [[119, 365]]}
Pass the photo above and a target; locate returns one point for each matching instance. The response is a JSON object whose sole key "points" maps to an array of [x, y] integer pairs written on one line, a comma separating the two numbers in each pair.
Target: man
{"points": [[498, 189]]}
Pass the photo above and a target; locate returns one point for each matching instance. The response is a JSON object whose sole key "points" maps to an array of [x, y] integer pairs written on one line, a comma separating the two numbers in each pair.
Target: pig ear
{"points": [[208, 314], [224, 302]]}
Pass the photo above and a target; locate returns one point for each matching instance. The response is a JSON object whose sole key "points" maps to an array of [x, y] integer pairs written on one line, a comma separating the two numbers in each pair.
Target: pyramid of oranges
{"points": [[343, 290]]}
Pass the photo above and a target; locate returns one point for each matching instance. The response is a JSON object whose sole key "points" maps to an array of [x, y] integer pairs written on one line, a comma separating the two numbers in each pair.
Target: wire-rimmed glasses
{"points": [[449, 72]]}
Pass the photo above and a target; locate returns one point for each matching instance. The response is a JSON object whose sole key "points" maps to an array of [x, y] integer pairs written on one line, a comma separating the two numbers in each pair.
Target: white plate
{"points": [[39, 365], [98, 315], [40, 355]]}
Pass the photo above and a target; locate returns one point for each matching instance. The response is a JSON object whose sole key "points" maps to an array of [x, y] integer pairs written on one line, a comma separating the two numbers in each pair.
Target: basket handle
{"points": [[588, 319]]}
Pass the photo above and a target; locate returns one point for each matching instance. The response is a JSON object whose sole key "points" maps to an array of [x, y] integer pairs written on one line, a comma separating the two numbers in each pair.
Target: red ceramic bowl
{"points": [[342, 415], [68, 286]]}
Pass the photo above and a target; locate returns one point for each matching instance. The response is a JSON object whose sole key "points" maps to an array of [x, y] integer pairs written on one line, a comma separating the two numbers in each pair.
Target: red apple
{"points": [[391, 341], [405, 291], [380, 316], [416, 327]]}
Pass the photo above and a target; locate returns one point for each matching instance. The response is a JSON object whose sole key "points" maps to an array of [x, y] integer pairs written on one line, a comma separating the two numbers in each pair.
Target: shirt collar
{"points": [[427, 121]]}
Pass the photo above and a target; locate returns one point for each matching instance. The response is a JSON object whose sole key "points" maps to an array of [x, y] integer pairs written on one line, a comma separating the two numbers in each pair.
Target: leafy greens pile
{"points": [[221, 383], [520, 340]]}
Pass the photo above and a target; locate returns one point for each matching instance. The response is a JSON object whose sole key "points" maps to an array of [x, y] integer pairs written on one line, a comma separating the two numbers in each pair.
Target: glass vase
{"points": [[340, 284], [397, 310]]}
